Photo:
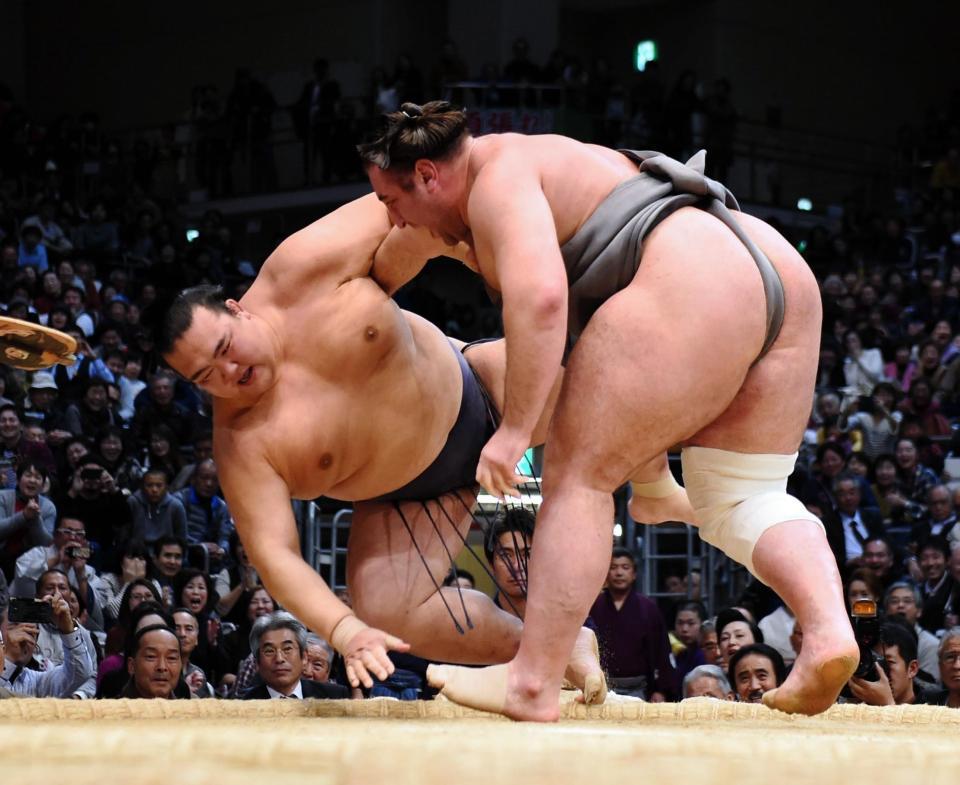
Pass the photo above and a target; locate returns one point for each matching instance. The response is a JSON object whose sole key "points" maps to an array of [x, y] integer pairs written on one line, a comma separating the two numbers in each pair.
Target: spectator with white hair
{"points": [[318, 659], [707, 681], [278, 643], [949, 658]]}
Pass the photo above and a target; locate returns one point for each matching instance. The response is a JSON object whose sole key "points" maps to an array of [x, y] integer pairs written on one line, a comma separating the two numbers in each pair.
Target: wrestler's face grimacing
{"points": [[230, 355], [420, 198]]}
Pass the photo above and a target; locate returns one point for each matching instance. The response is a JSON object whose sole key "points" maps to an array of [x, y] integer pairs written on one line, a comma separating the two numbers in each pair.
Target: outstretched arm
{"points": [[260, 502], [516, 244]]}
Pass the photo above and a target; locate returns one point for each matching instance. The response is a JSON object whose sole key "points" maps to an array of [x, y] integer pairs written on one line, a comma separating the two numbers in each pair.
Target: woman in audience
{"points": [[123, 467], [163, 451], [193, 590]]}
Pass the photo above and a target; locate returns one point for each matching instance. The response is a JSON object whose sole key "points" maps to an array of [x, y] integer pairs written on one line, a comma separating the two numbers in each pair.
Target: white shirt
{"points": [[58, 682], [854, 547], [777, 628], [296, 693]]}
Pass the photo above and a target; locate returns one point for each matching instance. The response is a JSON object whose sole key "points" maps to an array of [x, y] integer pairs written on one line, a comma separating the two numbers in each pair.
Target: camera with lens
{"points": [[866, 629], [90, 473], [78, 552], [914, 512]]}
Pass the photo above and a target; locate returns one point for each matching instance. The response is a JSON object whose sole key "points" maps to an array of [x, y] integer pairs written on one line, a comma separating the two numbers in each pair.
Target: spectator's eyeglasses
{"points": [[77, 533], [270, 652], [952, 658]]}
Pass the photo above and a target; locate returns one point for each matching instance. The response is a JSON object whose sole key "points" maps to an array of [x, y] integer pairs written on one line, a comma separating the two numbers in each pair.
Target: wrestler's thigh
{"points": [[656, 363], [385, 571]]}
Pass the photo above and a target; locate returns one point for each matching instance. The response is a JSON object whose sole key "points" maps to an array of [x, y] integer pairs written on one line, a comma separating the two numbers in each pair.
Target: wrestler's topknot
{"points": [[432, 131]]}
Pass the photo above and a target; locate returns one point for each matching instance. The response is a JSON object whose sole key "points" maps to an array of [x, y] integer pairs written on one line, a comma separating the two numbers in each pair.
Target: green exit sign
{"points": [[646, 52]]}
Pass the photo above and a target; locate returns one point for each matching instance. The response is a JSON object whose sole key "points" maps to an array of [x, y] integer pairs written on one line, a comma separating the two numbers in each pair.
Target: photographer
{"points": [[18, 643], [69, 552], [895, 683], [94, 497]]}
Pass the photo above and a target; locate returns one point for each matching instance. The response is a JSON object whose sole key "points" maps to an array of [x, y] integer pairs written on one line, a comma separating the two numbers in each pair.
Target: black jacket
{"points": [[311, 689]]}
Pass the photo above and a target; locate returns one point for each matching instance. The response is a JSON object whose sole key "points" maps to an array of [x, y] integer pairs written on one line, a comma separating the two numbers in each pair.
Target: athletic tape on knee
{"points": [[659, 489], [738, 496]]}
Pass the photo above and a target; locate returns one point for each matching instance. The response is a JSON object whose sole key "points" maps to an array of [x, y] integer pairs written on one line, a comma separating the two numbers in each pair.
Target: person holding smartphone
{"points": [[18, 641]]}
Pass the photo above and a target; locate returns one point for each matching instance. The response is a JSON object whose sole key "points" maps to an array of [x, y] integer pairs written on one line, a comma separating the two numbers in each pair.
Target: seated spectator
{"points": [[941, 517], [160, 408], [97, 237], [902, 600], [948, 656], [132, 566], [937, 584], [154, 512], [68, 552], [123, 467], [90, 414], [885, 485], [915, 478], [53, 236], [94, 498], [754, 670], [27, 517], [42, 408], [686, 629], [240, 578], [187, 627], [862, 368], [162, 452], [632, 634], [202, 451], [131, 385], [208, 521], [154, 664], [168, 553], [318, 659], [507, 548], [879, 556], [14, 449], [278, 642], [878, 423], [17, 644], [707, 681], [49, 651], [709, 643], [895, 683], [112, 674], [734, 631], [853, 524], [193, 590], [921, 404], [32, 252], [235, 644]]}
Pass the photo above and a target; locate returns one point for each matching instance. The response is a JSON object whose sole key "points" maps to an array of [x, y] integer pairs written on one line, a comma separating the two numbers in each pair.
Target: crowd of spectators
{"points": [[110, 508]]}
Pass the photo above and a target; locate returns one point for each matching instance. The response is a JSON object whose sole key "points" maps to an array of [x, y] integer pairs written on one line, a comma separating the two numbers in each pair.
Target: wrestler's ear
{"points": [[426, 171], [235, 308]]}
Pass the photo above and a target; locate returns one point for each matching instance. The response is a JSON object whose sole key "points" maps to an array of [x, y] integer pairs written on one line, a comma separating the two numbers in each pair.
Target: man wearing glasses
{"points": [[278, 642], [69, 552]]}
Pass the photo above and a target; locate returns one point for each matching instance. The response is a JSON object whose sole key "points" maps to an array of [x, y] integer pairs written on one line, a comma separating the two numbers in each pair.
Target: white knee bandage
{"points": [[738, 496]]}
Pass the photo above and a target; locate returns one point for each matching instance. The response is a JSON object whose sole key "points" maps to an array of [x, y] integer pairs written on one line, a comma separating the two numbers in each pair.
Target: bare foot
{"points": [[818, 675], [675, 507], [494, 689], [584, 670]]}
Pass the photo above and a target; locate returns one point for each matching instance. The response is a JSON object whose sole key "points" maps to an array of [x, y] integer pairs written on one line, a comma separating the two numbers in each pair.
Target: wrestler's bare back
{"points": [[576, 177], [365, 393]]}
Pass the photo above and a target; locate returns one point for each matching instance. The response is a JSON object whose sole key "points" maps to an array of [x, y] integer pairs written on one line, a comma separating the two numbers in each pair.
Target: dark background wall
{"points": [[853, 67]]}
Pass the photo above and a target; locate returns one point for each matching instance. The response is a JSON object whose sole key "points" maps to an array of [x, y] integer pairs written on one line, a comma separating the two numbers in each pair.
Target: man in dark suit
{"points": [[278, 642], [854, 524], [942, 517]]}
